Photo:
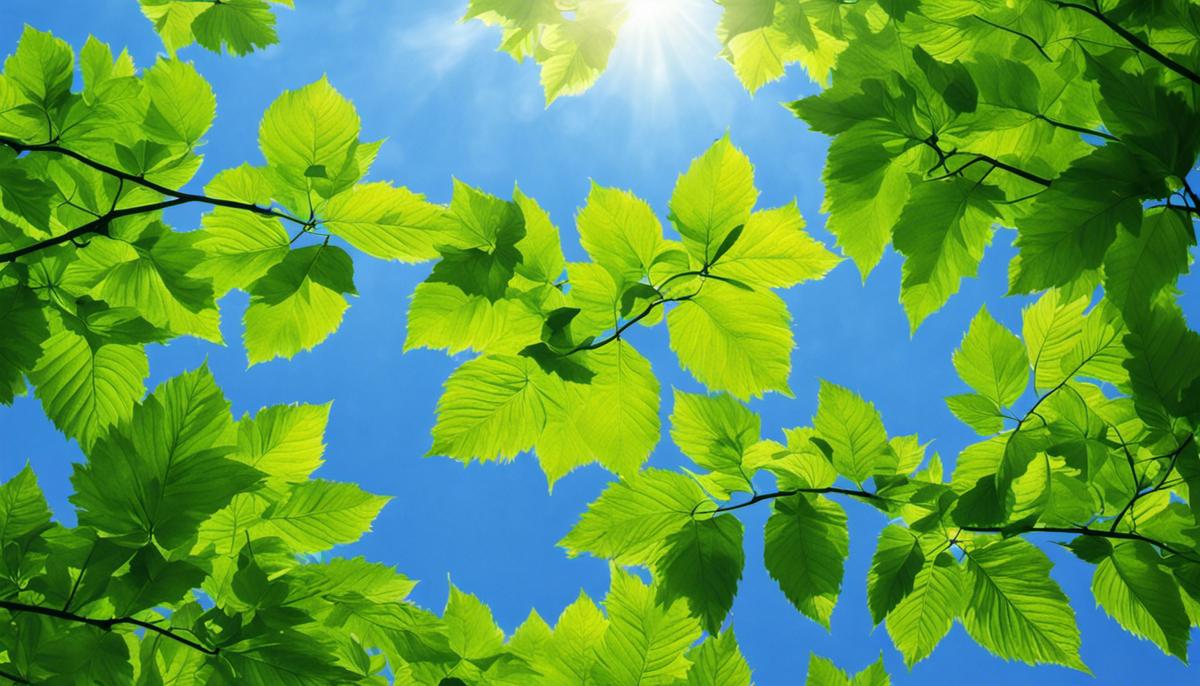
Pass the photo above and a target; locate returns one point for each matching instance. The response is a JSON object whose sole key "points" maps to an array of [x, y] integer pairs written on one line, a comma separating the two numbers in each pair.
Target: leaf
{"points": [[806, 547], [283, 442], [897, 561], [620, 232], [992, 361], [612, 419], [576, 50], [854, 430], [1138, 267], [23, 508], [42, 67], [924, 616], [85, 388], [733, 340], [1051, 327], [318, 515], [309, 127], [631, 520], [942, 233], [1016, 610], [578, 635], [867, 186], [473, 633], [239, 248], [713, 198], [645, 641], [162, 474], [1134, 589], [298, 303], [980, 413], [715, 431], [21, 347], [1070, 227], [182, 104], [1163, 363], [773, 251], [718, 661], [493, 407], [703, 563], [387, 222], [241, 26]]}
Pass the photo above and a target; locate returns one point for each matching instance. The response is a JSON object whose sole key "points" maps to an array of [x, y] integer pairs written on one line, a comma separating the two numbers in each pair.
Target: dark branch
{"points": [[944, 157], [1079, 129], [1134, 40], [106, 624], [616, 335], [98, 226], [145, 183], [866, 495]]}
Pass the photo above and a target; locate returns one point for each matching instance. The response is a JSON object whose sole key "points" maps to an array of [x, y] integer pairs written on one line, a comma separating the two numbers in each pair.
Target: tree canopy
{"points": [[194, 553]]}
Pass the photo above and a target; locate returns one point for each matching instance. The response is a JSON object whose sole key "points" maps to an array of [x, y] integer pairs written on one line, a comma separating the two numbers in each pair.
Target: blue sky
{"points": [[450, 106]]}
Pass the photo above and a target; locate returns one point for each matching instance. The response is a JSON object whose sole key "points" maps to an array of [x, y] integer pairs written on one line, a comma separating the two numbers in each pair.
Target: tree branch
{"points": [[854, 493], [20, 147], [1079, 129], [98, 226], [1133, 40], [105, 624], [616, 335], [944, 157]]}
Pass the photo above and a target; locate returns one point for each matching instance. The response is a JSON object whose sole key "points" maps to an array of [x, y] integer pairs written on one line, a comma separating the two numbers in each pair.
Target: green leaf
{"points": [[703, 563], [23, 508], [773, 251], [612, 419], [493, 408], [942, 233], [715, 431], [443, 316], [308, 127], [86, 387], [718, 660], [21, 347], [318, 515], [1134, 589], [980, 413], [541, 249], [1138, 267], [1069, 228], [806, 547], [1051, 327], [241, 26], [165, 472], [992, 360], [239, 248], [1163, 364], [284, 442], [823, 672], [42, 68], [298, 303], [631, 520], [387, 222], [854, 430], [182, 104], [152, 580], [574, 52], [897, 561], [578, 634], [620, 232], [152, 274], [473, 633], [866, 188], [733, 340], [1016, 610], [645, 641], [924, 616], [713, 198]]}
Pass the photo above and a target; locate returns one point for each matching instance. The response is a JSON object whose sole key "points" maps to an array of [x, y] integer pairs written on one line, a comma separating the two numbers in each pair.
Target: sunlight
{"points": [[665, 46], [654, 15]]}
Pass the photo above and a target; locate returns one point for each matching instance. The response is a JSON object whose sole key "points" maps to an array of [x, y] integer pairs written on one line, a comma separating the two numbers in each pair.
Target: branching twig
{"points": [[105, 624]]}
